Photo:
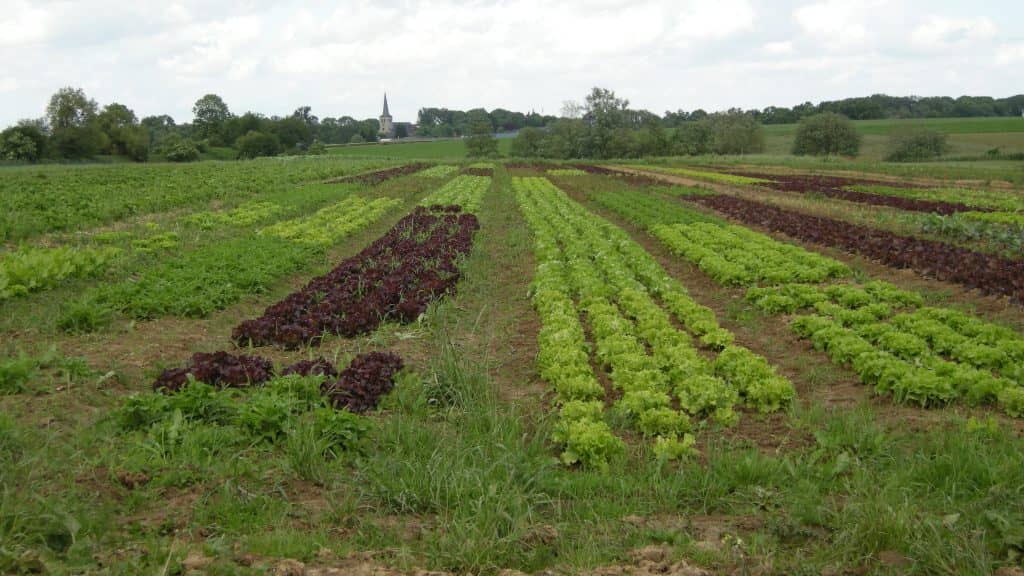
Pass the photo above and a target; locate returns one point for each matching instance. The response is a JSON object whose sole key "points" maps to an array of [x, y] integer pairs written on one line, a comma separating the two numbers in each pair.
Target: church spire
{"points": [[386, 113]]}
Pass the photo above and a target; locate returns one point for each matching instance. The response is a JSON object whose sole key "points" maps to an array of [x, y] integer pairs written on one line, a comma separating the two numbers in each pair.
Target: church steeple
{"points": [[387, 128]]}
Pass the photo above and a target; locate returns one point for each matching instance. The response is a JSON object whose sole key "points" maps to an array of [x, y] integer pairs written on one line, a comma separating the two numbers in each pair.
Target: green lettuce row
{"points": [[30, 269], [615, 281], [465, 191], [244, 215], [646, 210], [645, 403], [900, 365], [997, 199], [439, 171], [703, 175], [329, 225], [789, 298], [736, 256]]}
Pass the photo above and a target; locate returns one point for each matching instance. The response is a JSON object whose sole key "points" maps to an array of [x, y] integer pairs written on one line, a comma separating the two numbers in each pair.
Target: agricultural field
{"points": [[388, 364]]}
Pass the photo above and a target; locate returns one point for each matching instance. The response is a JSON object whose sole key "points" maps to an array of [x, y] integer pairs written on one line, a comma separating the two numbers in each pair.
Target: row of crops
{"points": [[610, 312], [922, 355]]}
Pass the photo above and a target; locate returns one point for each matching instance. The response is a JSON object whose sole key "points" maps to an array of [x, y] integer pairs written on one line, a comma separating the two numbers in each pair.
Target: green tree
{"points": [[24, 142], [211, 116], [178, 149], [256, 144], [481, 142], [604, 114], [123, 134], [736, 132], [527, 144], [291, 132], [826, 134], [692, 139], [72, 116], [401, 131], [357, 138], [70, 108], [911, 144]]}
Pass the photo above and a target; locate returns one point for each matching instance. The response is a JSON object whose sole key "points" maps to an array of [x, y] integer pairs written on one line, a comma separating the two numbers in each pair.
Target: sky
{"points": [[340, 57]]}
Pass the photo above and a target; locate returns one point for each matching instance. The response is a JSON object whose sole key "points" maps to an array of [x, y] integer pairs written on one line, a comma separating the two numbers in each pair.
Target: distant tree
{"points": [[735, 133], [911, 144], [292, 132], [70, 108], [572, 109], [604, 114], [124, 136], [692, 139], [826, 134], [256, 144], [565, 139], [317, 148], [72, 116], [652, 140], [211, 115], [401, 131], [24, 142], [356, 139], [178, 149], [527, 144], [481, 142]]}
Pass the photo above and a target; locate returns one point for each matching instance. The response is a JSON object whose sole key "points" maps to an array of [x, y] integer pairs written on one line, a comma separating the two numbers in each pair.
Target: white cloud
{"points": [[836, 24], [938, 33], [1010, 54], [271, 56], [22, 23], [778, 48]]}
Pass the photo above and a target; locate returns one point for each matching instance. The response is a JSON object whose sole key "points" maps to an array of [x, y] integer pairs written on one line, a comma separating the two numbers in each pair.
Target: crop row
{"points": [[565, 172], [981, 200], [736, 256], [439, 171], [628, 177], [586, 265], [464, 191], [34, 200], [989, 273], [358, 388], [394, 278], [731, 255], [734, 179], [378, 176], [918, 354], [841, 188], [244, 215], [29, 269], [330, 224], [217, 275]]}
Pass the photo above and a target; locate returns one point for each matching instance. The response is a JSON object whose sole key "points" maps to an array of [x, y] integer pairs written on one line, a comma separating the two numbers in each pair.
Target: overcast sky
{"points": [[339, 57]]}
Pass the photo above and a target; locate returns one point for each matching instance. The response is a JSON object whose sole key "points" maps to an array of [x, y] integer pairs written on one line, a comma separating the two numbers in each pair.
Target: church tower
{"points": [[386, 127]]}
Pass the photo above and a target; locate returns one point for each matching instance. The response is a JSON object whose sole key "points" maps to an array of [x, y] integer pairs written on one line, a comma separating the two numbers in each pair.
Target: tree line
{"points": [[876, 107]]}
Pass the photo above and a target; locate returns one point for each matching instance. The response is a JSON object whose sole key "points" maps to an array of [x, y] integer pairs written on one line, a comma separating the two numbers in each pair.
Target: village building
{"points": [[390, 129]]}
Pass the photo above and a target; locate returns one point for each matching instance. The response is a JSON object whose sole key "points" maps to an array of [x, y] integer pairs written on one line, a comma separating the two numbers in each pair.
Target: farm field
{"points": [[357, 363]]}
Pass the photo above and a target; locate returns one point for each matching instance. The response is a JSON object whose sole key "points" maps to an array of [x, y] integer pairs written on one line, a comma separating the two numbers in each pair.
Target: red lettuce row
{"points": [[358, 388], [217, 369], [989, 273], [395, 278], [376, 177], [628, 177], [366, 379], [835, 187]]}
